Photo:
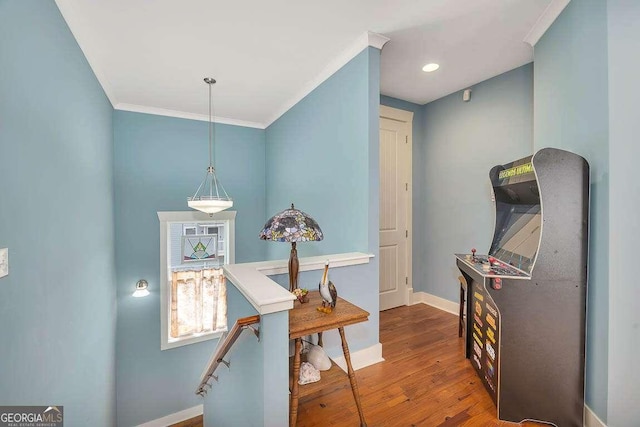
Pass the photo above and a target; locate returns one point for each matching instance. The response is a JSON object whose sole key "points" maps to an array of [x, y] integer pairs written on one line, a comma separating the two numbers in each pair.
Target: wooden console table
{"points": [[305, 320]]}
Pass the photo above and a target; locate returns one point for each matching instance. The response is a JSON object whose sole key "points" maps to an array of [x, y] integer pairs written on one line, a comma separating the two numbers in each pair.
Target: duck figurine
{"points": [[327, 292]]}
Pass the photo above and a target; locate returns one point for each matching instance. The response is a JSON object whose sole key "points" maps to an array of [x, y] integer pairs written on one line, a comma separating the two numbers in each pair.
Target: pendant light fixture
{"points": [[210, 197]]}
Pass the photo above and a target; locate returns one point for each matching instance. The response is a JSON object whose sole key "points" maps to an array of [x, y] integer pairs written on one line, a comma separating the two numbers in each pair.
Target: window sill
{"points": [[174, 343]]}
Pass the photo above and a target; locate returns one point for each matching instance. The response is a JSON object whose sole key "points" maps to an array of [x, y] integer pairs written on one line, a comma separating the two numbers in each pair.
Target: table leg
{"points": [[352, 377], [293, 405], [320, 339]]}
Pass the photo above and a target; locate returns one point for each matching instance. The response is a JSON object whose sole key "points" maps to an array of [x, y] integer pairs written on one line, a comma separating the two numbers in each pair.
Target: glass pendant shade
{"points": [[210, 206], [210, 197]]}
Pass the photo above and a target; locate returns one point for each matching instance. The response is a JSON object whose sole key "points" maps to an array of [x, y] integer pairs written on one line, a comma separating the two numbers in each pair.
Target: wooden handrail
{"points": [[223, 348]]}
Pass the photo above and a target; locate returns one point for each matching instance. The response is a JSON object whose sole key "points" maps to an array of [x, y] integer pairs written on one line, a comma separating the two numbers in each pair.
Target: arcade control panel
{"points": [[488, 266]]}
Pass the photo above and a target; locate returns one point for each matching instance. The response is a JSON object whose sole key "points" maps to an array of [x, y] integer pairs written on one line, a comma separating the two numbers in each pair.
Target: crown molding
{"points": [[184, 115], [69, 17], [376, 40], [365, 40], [545, 20]]}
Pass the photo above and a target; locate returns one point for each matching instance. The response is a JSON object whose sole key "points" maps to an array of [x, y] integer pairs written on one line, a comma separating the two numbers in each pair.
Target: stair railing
{"points": [[224, 345]]}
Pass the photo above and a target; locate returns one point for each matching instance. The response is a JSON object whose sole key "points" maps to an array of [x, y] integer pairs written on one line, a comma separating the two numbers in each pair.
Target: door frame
{"points": [[405, 117]]}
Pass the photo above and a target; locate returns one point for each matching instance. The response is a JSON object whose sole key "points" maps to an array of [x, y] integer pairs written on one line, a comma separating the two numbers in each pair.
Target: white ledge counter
{"points": [[267, 296]]}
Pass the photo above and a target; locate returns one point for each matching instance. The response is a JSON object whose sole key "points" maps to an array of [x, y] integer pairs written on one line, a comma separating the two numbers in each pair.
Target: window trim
{"points": [[186, 216]]}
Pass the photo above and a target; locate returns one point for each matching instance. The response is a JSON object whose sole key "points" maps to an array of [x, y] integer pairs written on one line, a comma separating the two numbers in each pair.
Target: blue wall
{"points": [[254, 391], [57, 306], [227, 402], [159, 162], [323, 155], [462, 142], [274, 336], [624, 151], [571, 112], [317, 157]]}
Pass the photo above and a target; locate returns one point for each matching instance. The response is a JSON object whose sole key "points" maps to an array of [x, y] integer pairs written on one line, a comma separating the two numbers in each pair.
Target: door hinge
{"points": [[406, 139], [406, 186], [406, 280], [406, 233]]}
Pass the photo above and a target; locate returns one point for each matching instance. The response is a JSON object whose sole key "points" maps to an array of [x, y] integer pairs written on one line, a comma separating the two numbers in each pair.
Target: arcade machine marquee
{"points": [[526, 299]]}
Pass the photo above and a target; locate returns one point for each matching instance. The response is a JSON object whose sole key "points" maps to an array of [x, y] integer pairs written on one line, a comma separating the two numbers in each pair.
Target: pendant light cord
{"points": [[210, 130]]}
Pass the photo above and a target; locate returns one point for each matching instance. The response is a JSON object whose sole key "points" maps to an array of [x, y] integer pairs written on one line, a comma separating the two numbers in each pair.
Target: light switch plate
{"points": [[4, 262]]}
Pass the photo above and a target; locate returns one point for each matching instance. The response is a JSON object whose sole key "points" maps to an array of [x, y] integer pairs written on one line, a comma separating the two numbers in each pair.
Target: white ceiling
{"points": [[266, 55]]}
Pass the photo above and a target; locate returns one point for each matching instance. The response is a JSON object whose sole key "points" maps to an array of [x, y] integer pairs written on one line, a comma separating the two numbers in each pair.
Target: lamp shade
{"points": [[291, 225]]}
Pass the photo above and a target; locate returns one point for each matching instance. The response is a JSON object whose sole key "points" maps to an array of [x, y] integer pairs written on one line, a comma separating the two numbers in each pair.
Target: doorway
{"points": [[395, 207]]}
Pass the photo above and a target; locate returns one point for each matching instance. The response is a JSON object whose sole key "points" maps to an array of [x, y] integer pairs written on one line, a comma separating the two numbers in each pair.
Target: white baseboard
{"points": [[175, 417], [434, 301], [361, 358], [591, 419]]}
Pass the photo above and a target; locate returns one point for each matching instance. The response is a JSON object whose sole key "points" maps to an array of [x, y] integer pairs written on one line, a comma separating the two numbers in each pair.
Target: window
{"points": [[194, 246]]}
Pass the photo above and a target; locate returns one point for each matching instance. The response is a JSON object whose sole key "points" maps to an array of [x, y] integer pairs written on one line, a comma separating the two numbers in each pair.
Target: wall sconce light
{"points": [[141, 289]]}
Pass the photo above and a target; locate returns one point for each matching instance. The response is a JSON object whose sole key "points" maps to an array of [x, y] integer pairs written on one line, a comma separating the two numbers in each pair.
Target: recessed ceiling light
{"points": [[430, 67]]}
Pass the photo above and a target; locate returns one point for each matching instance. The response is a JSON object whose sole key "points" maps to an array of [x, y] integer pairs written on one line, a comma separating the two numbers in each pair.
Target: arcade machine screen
{"points": [[517, 235]]}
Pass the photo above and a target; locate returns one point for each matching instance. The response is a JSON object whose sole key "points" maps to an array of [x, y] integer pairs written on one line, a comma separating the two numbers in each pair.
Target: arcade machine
{"points": [[526, 299]]}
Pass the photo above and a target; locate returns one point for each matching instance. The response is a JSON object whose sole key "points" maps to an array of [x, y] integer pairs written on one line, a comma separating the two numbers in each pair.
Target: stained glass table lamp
{"points": [[292, 226]]}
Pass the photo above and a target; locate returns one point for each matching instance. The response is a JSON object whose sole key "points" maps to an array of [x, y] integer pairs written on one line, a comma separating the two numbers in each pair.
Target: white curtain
{"points": [[198, 302]]}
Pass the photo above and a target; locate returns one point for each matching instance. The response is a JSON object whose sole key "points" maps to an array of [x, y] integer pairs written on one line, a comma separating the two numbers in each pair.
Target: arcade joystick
{"points": [[473, 253]]}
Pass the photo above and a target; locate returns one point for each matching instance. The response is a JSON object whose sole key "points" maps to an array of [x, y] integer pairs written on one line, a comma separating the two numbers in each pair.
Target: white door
{"points": [[395, 212]]}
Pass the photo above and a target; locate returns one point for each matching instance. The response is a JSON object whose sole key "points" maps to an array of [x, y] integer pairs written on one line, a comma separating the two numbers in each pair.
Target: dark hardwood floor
{"points": [[425, 379], [193, 422]]}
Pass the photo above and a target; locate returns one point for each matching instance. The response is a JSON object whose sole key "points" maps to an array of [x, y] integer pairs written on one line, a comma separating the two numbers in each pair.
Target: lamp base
{"points": [[294, 266]]}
